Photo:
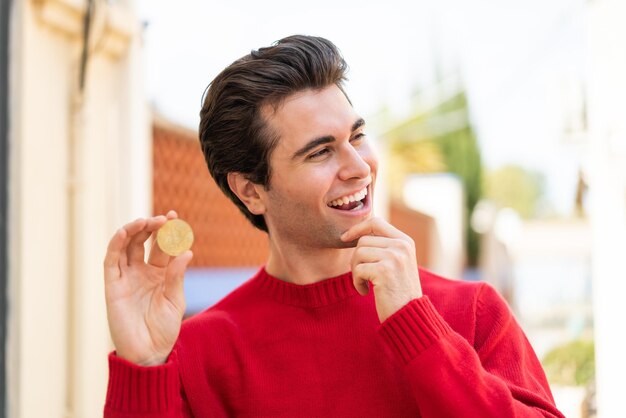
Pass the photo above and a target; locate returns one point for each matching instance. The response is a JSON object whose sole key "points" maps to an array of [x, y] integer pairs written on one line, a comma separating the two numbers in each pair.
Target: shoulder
{"points": [[466, 306], [449, 292], [224, 314]]}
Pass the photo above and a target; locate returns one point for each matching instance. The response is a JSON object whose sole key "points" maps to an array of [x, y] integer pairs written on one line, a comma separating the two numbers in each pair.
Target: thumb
{"points": [[360, 275], [174, 276], [361, 285]]}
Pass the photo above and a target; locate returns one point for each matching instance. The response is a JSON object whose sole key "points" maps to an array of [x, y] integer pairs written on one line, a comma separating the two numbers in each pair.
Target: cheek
{"points": [[306, 187], [315, 190]]}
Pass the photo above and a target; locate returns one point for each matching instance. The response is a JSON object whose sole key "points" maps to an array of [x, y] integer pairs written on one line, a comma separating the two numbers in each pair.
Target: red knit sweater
{"points": [[274, 349]]}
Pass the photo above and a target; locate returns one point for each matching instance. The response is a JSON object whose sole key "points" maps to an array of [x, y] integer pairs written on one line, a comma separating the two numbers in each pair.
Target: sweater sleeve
{"points": [[144, 392], [499, 376]]}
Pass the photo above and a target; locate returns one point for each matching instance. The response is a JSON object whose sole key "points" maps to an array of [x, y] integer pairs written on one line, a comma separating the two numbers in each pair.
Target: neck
{"points": [[300, 265]]}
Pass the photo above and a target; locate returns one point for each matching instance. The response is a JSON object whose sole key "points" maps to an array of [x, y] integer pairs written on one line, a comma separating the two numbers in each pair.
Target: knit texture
{"points": [[275, 349]]}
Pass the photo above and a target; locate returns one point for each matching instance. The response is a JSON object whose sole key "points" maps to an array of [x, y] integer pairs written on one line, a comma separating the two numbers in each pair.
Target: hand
{"points": [[145, 301], [384, 257]]}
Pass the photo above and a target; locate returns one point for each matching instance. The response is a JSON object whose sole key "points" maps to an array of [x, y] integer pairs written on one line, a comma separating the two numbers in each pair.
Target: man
{"points": [[340, 322]]}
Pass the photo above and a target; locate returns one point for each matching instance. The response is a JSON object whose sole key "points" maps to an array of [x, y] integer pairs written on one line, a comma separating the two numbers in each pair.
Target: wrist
{"points": [[150, 361]]}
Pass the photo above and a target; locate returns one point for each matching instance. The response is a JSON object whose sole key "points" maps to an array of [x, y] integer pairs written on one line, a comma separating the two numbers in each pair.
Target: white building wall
{"points": [[38, 219], [607, 181], [61, 217]]}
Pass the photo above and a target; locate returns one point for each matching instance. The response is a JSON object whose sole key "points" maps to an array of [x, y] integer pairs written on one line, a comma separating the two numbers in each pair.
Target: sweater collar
{"points": [[314, 295]]}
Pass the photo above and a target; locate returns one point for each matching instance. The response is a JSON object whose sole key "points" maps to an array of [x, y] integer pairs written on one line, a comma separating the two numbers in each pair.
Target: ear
{"points": [[247, 192]]}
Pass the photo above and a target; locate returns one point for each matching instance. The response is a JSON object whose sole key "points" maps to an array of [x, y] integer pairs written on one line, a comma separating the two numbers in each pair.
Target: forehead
{"points": [[310, 114]]}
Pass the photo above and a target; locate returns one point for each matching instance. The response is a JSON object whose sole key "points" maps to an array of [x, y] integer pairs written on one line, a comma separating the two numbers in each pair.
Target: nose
{"points": [[354, 164]]}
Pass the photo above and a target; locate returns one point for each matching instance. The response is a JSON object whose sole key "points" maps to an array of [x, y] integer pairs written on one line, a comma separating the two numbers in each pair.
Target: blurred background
{"points": [[500, 127]]}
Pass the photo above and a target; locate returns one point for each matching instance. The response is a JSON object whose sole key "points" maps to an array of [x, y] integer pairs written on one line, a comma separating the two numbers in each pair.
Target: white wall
{"points": [[607, 164], [60, 223]]}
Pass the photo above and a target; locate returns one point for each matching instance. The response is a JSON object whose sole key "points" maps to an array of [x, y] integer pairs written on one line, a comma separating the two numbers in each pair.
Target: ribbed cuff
{"points": [[414, 328], [141, 390]]}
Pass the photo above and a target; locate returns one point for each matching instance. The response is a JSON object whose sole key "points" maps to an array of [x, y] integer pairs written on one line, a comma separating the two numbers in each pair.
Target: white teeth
{"points": [[352, 198]]}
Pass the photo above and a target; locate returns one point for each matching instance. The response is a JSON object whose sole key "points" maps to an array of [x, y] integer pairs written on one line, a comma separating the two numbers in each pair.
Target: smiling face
{"points": [[323, 170]]}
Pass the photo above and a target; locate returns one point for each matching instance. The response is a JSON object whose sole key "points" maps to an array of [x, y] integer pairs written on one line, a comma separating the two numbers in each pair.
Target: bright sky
{"points": [[521, 60]]}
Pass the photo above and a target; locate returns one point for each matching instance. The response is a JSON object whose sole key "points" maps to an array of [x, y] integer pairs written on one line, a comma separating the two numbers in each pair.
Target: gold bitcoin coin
{"points": [[175, 237]]}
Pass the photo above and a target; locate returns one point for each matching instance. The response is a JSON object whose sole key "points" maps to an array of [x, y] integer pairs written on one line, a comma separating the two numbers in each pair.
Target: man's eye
{"points": [[358, 137], [318, 153]]}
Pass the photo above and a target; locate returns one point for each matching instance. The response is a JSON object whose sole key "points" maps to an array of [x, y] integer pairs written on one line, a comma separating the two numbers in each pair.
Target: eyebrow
{"points": [[323, 140]]}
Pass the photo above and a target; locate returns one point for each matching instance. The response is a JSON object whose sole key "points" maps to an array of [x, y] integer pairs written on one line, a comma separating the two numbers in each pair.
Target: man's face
{"points": [[322, 160]]}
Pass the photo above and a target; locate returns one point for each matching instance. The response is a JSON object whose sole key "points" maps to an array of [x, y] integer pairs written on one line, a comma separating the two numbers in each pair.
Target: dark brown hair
{"points": [[233, 134]]}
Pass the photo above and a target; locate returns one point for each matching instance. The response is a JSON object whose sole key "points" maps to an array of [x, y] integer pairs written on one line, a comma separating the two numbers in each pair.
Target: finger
{"points": [[136, 248], [367, 255], [174, 278], [114, 254], [127, 232], [132, 229], [157, 257], [372, 226], [362, 274], [155, 222], [376, 242], [398, 246]]}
